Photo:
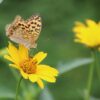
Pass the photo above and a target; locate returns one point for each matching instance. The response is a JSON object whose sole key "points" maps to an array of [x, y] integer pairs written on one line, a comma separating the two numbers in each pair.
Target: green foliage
{"points": [[73, 64], [58, 17]]}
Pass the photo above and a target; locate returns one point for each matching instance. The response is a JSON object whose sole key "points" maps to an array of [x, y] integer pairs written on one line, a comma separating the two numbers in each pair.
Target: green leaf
{"points": [[65, 67]]}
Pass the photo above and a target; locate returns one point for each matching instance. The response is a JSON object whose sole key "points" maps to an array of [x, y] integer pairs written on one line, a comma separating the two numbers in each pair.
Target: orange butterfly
{"points": [[25, 32]]}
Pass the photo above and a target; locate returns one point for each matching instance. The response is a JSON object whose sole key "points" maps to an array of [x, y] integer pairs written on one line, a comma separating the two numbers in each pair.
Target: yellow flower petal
{"points": [[33, 78], [88, 34], [40, 83], [46, 77], [8, 58], [25, 75], [79, 24], [23, 52], [13, 52], [91, 23], [47, 73], [13, 65], [50, 79], [45, 69], [40, 56], [29, 67]]}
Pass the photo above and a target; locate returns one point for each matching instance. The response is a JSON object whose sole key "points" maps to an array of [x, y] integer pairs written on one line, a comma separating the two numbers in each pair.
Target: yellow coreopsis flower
{"points": [[88, 34], [30, 67]]}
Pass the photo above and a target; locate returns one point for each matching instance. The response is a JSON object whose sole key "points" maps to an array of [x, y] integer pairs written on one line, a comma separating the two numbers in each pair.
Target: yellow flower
{"points": [[30, 67], [88, 34]]}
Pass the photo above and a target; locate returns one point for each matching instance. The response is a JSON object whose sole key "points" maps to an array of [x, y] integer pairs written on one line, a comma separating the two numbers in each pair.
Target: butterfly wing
{"points": [[34, 23], [24, 32], [18, 31]]}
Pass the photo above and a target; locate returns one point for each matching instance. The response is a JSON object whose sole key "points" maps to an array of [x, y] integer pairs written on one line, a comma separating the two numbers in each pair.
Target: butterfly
{"points": [[25, 32]]}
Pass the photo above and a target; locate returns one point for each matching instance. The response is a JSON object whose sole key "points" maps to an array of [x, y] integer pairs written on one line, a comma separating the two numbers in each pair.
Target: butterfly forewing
{"points": [[34, 23]]}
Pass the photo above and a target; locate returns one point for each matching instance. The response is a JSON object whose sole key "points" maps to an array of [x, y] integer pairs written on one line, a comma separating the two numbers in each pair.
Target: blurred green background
{"points": [[57, 39]]}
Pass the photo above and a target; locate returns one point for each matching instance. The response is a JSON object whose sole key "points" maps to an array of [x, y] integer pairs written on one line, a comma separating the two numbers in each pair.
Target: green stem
{"points": [[90, 78], [97, 66], [17, 89]]}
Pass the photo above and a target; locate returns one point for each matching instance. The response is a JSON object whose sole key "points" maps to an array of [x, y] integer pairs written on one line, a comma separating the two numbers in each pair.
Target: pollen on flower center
{"points": [[28, 66]]}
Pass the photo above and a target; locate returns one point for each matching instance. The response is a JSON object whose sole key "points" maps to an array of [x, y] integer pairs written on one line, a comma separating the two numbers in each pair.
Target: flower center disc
{"points": [[29, 66]]}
